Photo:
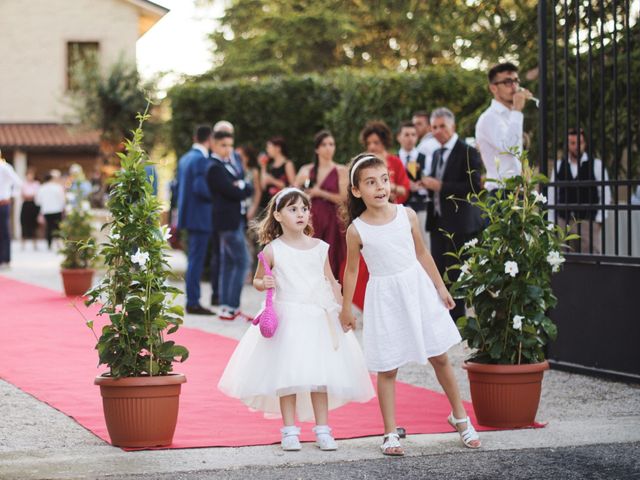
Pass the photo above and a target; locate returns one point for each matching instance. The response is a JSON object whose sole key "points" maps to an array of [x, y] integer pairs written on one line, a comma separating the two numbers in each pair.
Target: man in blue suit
{"points": [[228, 190], [195, 212]]}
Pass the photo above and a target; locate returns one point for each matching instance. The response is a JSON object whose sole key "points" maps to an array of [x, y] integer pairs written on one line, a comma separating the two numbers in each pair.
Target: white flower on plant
{"points": [[68, 209], [517, 322], [551, 226], [516, 207], [496, 160], [465, 268], [166, 234], [494, 295], [493, 315], [555, 260], [71, 197], [140, 258], [538, 197], [527, 237], [511, 268], [115, 236], [471, 243], [86, 206], [483, 260]]}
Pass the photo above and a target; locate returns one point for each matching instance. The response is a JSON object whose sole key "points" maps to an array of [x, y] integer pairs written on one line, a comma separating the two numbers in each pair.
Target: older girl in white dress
{"points": [[310, 365], [406, 309]]}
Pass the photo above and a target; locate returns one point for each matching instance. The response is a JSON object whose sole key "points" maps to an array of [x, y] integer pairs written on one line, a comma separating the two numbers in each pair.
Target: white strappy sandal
{"points": [[469, 434], [324, 439], [290, 441], [389, 441]]}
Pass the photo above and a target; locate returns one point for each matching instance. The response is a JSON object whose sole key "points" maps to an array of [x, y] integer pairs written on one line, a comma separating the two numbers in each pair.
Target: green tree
{"points": [[108, 100], [266, 37]]}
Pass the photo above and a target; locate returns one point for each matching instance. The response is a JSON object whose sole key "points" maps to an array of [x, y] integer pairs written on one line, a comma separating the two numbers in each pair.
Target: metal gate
{"points": [[589, 72]]}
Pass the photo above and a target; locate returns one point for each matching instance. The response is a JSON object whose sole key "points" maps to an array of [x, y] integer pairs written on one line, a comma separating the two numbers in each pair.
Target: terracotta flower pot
{"points": [[76, 281], [505, 396], [141, 411]]}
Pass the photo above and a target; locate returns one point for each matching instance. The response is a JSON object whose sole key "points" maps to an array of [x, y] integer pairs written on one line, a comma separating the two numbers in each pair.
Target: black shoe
{"points": [[199, 310], [215, 301]]}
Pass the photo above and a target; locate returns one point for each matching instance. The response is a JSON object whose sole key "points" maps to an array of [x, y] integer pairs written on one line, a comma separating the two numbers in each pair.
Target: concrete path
{"points": [[593, 431]]}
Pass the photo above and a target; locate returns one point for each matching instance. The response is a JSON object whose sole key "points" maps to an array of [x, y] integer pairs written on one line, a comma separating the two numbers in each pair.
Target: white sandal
{"points": [[324, 439], [389, 441], [290, 441], [468, 435]]}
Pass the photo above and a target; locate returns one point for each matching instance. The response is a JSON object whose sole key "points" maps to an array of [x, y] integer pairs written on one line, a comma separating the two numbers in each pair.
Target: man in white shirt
{"points": [[9, 185], [416, 166], [499, 128], [585, 222], [426, 143]]}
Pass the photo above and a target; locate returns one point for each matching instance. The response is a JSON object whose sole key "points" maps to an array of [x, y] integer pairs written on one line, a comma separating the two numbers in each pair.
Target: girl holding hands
{"points": [[406, 310]]}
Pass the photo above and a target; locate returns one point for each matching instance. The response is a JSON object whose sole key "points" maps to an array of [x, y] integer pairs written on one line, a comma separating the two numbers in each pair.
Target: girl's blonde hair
{"points": [[269, 228], [355, 206]]}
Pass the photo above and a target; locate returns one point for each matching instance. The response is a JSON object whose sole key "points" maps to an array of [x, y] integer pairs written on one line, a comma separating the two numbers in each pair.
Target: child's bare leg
{"points": [[288, 410], [320, 403], [447, 379], [387, 401]]}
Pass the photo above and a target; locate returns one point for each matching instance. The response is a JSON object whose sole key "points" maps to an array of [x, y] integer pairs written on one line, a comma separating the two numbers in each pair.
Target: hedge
{"points": [[299, 106]]}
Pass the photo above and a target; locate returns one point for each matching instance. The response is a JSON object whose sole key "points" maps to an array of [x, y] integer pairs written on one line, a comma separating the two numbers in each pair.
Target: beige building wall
{"points": [[33, 49]]}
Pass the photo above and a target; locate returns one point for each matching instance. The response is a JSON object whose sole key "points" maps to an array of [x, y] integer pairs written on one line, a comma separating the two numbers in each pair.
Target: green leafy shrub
{"points": [[134, 292], [505, 274], [299, 106], [76, 231]]}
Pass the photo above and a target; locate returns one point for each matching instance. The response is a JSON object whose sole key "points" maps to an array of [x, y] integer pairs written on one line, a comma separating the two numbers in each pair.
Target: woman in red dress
{"points": [[326, 183], [377, 138]]}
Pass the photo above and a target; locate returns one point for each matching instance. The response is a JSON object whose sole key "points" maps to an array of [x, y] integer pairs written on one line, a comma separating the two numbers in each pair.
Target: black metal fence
{"points": [[589, 82], [589, 73]]}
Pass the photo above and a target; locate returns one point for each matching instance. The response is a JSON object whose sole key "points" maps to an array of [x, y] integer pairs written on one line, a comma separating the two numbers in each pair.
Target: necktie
{"points": [[439, 171]]}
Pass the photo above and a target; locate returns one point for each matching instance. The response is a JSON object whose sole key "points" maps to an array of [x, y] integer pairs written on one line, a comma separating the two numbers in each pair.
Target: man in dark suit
{"points": [[455, 171], [194, 213], [214, 266], [228, 190]]}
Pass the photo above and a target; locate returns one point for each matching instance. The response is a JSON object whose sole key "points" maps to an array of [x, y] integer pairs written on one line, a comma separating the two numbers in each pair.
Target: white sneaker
{"points": [[324, 439], [290, 441]]}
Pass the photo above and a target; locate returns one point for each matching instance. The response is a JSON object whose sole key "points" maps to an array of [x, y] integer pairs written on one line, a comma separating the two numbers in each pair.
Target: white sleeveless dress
{"points": [[404, 318], [309, 351]]}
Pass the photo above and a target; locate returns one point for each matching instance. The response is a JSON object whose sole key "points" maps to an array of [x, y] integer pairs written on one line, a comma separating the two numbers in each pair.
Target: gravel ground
{"points": [[594, 427]]}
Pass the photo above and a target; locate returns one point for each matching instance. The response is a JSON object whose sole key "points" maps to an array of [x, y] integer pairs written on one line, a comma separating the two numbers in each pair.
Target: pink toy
{"points": [[267, 317]]}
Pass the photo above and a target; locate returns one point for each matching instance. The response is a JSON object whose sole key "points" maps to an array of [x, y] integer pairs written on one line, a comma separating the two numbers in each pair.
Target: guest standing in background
{"points": [[195, 212], [9, 183], [279, 171], [499, 128], [29, 211], [51, 200], [325, 182]]}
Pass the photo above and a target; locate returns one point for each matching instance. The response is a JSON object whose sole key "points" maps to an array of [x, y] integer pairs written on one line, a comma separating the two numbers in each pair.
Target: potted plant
{"points": [[78, 248], [140, 393], [505, 281]]}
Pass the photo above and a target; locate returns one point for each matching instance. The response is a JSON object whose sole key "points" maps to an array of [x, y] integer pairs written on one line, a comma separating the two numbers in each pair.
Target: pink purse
{"points": [[267, 317]]}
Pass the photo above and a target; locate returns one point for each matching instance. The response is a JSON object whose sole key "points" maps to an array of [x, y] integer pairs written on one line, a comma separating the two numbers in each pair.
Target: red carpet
{"points": [[48, 352]]}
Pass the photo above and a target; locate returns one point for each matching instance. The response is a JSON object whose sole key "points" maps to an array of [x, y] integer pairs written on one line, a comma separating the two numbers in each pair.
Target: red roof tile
{"points": [[31, 136]]}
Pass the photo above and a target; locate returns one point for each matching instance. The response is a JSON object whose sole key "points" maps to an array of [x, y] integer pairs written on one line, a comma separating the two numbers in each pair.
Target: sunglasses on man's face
{"points": [[509, 82]]}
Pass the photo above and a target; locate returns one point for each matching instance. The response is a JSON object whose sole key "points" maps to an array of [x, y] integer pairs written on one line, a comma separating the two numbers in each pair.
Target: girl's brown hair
{"points": [[269, 228], [355, 206]]}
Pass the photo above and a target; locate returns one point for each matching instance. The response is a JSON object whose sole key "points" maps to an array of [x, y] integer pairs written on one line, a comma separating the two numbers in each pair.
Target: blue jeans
{"points": [[233, 265], [5, 235], [198, 242], [214, 265]]}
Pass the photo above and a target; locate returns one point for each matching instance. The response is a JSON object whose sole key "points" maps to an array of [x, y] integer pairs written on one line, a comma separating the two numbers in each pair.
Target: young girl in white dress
{"points": [[406, 309], [310, 365]]}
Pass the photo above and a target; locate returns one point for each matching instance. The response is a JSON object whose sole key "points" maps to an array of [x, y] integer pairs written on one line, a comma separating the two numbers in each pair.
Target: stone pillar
{"points": [[20, 166]]}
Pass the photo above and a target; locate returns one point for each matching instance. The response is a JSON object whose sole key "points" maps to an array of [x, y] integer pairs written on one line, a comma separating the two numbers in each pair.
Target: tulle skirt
{"points": [[308, 353]]}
